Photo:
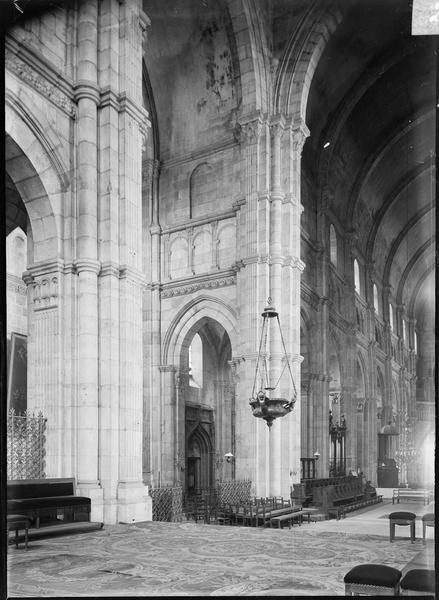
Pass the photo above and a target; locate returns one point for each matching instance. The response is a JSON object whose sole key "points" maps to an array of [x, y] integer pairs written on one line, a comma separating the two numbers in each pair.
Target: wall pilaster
{"points": [[45, 358], [86, 264], [252, 284]]}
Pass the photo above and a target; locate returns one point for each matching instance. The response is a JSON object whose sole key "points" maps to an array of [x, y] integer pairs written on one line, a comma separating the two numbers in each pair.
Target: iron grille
{"points": [[167, 503], [233, 492], [25, 445]]}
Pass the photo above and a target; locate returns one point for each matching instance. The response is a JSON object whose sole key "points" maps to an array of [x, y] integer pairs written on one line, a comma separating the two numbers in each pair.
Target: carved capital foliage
{"points": [[29, 75], [299, 133], [294, 262], [249, 132], [189, 288], [44, 292], [144, 23], [277, 126]]}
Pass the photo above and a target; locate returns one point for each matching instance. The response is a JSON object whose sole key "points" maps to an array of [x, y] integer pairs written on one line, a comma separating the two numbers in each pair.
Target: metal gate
{"points": [[25, 445]]}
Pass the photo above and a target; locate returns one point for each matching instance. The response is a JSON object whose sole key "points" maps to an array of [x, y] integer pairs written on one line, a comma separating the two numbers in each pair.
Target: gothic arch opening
{"points": [[33, 318], [22, 186], [208, 398]]}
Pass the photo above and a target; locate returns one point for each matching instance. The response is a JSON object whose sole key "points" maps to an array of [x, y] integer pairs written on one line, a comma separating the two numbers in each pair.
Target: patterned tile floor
{"points": [[187, 559]]}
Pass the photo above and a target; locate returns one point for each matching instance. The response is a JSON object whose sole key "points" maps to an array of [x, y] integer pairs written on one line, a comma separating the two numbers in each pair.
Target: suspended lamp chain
{"points": [[265, 334], [286, 357], [259, 357]]}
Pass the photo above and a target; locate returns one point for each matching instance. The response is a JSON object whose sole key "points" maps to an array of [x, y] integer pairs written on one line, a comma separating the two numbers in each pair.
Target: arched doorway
{"points": [[199, 461], [209, 410]]}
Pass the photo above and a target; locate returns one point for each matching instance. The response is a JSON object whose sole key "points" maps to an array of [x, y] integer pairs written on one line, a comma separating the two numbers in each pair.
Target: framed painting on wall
{"points": [[17, 373]]}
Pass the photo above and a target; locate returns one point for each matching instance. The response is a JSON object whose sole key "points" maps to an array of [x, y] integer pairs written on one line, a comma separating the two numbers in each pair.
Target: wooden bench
{"points": [[288, 519], [408, 494], [37, 498]]}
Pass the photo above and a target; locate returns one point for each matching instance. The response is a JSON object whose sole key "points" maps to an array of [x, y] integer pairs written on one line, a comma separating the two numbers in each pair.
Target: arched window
{"points": [[391, 317], [16, 252], [196, 362], [333, 245], [357, 276], [416, 342], [375, 298], [404, 331]]}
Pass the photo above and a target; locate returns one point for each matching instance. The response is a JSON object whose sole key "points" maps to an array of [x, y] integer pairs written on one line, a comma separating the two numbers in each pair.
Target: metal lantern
{"points": [[266, 403]]}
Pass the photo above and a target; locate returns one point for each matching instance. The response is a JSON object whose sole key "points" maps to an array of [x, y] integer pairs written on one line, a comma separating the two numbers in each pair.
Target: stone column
{"points": [[306, 419], [252, 293], [108, 249], [133, 499], [45, 358], [319, 392], [181, 385], [151, 314], [87, 265], [293, 142], [165, 437], [277, 462]]}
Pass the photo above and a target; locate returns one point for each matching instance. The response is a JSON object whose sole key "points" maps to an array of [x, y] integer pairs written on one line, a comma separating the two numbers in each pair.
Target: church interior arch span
{"points": [[152, 261]]}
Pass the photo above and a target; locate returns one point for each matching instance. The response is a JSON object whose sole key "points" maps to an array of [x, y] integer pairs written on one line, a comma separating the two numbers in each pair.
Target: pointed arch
{"points": [[190, 318], [39, 177]]}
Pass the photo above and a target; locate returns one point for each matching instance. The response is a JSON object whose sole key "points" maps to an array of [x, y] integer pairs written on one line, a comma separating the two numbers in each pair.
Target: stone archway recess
{"points": [[168, 416], [41, 183]]}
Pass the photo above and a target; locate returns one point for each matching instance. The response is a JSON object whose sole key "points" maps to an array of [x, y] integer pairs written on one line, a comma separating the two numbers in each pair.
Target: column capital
{"points": [[135, 111], [109, 268], [127, 272], [87, 264], [299, 133], [249, 128], [86, 89], [44, 268], [294, 262], [277, 125]]}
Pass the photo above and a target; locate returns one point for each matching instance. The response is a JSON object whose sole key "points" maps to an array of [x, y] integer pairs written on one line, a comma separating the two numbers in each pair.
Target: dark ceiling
{"points": [[373, 98]]}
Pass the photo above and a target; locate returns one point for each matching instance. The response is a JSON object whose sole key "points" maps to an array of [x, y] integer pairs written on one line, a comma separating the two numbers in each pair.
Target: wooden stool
{"points": [[372, 580], [402, 518], [427, 521], [418, 582], [17, 522]]}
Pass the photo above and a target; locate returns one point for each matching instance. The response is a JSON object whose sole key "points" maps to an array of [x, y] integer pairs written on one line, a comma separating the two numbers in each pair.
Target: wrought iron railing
{"points": [[25, 445], [233, 492], [167, 503]]}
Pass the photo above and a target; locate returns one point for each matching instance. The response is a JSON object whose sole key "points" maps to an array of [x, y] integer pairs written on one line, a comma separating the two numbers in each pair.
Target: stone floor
{"points": [[187, 559]]}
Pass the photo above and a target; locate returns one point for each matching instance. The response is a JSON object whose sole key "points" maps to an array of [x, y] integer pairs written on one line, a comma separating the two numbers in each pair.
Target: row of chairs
{"points": [[256, 512]]}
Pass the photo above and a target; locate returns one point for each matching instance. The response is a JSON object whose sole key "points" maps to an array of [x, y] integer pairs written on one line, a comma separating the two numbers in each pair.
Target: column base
{"points": [[110, 512], [96, 495], [134, 502]]}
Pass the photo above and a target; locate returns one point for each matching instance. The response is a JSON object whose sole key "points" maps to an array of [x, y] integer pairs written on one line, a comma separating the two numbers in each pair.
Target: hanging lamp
{"points": [[266, 403]]}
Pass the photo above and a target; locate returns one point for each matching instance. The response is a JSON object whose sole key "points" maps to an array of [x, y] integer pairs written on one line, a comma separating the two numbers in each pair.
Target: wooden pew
{"points": [[37, 498]]}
